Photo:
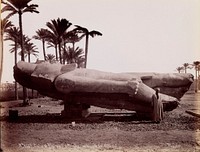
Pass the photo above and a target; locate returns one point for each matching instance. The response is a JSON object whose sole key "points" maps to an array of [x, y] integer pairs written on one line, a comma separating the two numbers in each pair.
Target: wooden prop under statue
{"points": [[80, 87]]}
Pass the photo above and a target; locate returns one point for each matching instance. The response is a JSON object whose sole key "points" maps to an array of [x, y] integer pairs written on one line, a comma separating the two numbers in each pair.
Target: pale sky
{"points": [[138, 35]]}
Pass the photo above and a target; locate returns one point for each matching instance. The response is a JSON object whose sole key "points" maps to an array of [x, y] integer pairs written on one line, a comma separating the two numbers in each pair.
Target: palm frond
{"points": [[31, 8], [62, 25], [12, 50], [73, 56], [8, 7], [42, 34], [13, 34], [19, 4], [50, 44], [72, 37], [196, 63], [52, 27], [81, 29], [5, 25], [51, 58], [11, 14], [94, 33]]}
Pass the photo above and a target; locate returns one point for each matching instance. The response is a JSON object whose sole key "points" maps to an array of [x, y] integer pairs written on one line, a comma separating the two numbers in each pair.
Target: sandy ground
{"points": [[40, 128]]}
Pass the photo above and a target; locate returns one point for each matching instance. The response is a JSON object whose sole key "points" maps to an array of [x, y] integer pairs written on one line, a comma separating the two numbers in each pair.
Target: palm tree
{"points": [[5, 25], [51, 58], [58, 28], [179, 69], [199, 71], [52, 42], [73, 56], [81, 62], [186, 66], [87, 33], [30, 49], [13, 35], [196, 66], [72, 37], [42, 34], [19, 7]]}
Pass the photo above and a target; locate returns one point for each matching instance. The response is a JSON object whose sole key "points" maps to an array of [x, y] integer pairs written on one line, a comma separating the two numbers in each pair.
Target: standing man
{"points": [[157, 114]]}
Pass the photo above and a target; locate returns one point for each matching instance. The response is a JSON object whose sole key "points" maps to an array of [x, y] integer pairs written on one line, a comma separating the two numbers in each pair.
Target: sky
{"points": [[138, 35]]}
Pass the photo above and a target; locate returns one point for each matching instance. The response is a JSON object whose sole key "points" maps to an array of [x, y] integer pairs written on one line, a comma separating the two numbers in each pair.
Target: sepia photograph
{"points": [[100, 75]]}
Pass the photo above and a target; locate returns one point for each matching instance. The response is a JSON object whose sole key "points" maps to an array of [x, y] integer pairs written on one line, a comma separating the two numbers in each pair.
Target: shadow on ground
{"points": [[92, 118]]}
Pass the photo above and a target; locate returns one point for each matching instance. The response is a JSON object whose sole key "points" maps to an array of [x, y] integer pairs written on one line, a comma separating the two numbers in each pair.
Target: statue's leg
{"points": [[134, 88], [140, 91], [67, 83], [144, 94]]}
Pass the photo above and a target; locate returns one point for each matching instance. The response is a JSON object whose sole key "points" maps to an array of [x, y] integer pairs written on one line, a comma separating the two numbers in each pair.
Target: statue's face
{"points": [[47, 70], [50, 71]]}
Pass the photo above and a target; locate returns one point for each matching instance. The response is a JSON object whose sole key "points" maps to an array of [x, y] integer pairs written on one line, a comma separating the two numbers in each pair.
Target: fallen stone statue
{"points": [[131, 91]]}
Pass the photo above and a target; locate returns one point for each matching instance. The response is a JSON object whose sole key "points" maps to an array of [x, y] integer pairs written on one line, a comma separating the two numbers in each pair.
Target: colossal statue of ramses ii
{"points": [[131, 91]]}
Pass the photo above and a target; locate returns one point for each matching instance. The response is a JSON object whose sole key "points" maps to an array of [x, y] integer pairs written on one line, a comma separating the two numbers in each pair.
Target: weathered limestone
{"points": [[131, 91]]}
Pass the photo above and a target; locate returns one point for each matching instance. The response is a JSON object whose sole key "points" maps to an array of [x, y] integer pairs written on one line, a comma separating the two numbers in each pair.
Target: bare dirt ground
{"points": [[40, 128]]}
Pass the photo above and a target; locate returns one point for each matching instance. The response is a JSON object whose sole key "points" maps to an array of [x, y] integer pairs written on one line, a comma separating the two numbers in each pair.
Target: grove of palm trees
{"points": [[55, 34], [196, 66]]}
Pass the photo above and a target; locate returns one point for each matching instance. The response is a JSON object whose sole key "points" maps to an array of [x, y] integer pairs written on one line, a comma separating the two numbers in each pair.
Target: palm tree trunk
{"points": [[64, 45], [1, 58], [197, 78], [56, 51], [64, 58], [44, 51], [73, 45], [59, 47], [25, 95], [86, 49], [16, 89], [21, 36], [29, 60], [29, 57], [196, 82]]}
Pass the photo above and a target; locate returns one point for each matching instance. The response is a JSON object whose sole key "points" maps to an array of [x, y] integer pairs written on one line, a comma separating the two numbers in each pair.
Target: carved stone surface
{"points": [[131, 91]]}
